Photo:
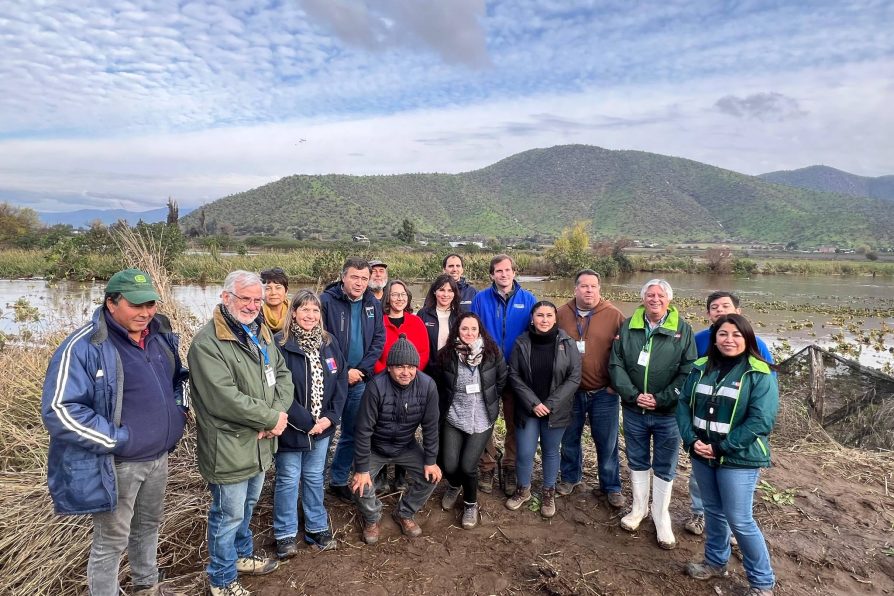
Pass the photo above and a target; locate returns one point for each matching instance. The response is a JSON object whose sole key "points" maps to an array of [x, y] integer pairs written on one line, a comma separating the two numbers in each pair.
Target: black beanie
{"points": [[403, 352]]}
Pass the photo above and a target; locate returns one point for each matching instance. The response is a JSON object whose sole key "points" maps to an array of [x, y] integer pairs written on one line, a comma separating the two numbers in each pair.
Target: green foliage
{"points": [[571, 252], [407, 232], [16, 223], [744, 266], [777, 497]]}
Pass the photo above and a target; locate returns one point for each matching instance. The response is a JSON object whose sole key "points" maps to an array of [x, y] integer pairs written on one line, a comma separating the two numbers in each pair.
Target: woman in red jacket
{"points": [[396, 305]]}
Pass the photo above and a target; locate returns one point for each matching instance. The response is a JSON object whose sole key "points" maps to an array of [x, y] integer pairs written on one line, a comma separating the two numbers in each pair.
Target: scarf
{"points": [[275, 320], [470, 355], [310, 343], [236, 327]]}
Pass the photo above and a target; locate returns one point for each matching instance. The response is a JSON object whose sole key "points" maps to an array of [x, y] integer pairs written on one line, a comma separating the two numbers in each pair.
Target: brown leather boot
{"points": [[548, 502]]}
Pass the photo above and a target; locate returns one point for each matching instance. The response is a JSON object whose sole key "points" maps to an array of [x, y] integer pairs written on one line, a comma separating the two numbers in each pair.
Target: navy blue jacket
{"points": [[337, 321], [466, 294], [335, 393], [504, 320], [81, 408]]}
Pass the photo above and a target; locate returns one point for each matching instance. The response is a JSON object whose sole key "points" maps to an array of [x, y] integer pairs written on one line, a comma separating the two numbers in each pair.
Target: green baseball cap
{"points": [[135, 285]]}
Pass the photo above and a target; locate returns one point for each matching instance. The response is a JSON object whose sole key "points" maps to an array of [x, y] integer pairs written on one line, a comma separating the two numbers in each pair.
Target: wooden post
{"points": [[816, 397]]}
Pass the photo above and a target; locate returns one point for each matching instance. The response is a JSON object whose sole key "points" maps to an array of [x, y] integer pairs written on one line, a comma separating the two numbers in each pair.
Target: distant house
{"points": [[826, 249], [360, 238], [458, 243]]}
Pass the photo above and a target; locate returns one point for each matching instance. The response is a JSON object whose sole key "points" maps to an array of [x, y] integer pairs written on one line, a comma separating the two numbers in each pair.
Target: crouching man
{"points": [[396, 402]]}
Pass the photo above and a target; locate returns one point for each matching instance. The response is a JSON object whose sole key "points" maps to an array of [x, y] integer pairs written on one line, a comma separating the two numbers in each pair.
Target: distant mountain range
{"points": [[84, 217], [539, 192], [826, 179]]}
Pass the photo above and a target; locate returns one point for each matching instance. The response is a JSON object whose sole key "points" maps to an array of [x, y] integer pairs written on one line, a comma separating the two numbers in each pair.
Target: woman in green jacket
{"points": [[650, 360], [725, 413]]}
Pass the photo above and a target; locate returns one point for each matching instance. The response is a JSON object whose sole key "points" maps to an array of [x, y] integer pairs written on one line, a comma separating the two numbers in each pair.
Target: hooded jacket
{"points": [[233, 402], [734, 414], [598, 331], [337, 321], [566, 378], [671, 351], [335, 393], [81, 408]]}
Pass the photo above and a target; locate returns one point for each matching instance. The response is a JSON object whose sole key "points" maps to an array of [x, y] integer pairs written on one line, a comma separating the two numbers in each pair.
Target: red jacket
{"points": [[416, 333]]}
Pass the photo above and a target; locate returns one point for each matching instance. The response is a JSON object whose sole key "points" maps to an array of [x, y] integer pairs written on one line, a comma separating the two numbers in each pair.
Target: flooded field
{"points": [[854, 315]]}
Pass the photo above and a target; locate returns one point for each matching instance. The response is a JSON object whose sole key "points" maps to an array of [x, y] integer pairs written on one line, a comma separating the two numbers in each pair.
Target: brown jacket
{"points": [[599, 334]]}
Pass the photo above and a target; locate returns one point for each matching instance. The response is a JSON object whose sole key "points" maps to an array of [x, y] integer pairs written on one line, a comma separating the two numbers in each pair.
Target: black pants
{"points": [[460, 453]]}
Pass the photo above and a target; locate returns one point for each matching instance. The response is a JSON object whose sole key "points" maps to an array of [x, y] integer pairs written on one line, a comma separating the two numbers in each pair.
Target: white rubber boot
{"points": [[639, 482], [661, 498]]}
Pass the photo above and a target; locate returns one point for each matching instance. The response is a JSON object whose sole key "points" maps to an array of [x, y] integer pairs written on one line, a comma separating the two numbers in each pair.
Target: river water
{"points": [[70, 303]]}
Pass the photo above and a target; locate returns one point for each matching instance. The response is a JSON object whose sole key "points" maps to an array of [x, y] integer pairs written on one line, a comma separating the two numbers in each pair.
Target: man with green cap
{"points": [[114, 407]]}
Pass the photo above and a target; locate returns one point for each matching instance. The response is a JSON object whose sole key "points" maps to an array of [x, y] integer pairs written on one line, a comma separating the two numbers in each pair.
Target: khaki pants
{"points": [[488, 461]]}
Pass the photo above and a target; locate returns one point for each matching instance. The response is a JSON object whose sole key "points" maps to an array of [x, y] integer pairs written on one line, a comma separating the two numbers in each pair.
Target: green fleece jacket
{"points": [[734, 414], [233, 402], [671, 352]]}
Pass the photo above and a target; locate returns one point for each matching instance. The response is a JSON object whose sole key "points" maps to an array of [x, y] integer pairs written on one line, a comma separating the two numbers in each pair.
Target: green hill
{"points": [[826, 179], [539, 192]]}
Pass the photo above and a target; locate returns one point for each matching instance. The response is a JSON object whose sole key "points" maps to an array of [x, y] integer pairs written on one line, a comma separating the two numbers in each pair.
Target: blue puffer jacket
{"points": [[335, 393], [81, 408], [466, 294], [337, 321], [504, 320]]}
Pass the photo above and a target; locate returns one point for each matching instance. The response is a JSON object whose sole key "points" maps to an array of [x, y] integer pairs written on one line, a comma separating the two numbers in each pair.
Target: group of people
{"points": [[271, 379]]}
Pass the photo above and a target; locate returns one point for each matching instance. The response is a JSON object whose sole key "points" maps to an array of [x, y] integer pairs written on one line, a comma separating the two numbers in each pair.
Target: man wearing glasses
{"points": [[241, 391]]}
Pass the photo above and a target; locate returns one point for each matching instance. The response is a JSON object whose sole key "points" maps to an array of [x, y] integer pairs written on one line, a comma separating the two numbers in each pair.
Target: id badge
{"points": [[581, 346], [473, 388], [643, 358], [271, 376]]}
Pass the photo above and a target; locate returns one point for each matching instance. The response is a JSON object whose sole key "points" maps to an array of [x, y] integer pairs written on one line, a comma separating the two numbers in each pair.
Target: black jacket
{"points": [[566, 379], [335, 393], [494, 375], [432, 325], [337, 321], [466, 294], [389, 416]]}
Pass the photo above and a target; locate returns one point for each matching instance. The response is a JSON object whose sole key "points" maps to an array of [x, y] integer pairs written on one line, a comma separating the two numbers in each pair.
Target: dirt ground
{"points": [[836, 537]]}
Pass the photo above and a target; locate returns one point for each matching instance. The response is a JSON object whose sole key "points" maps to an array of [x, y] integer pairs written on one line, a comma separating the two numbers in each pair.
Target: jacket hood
{"points": [[755, 364], [638, 318]]}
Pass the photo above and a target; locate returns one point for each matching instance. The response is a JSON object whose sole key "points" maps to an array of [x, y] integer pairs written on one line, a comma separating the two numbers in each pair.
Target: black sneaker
{"points": [[343, 493], [286, 548], [321, 540]]}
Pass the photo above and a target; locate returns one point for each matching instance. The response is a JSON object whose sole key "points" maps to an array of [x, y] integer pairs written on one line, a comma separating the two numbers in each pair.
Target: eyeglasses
{"points": [[246, 299], [398, 295]]}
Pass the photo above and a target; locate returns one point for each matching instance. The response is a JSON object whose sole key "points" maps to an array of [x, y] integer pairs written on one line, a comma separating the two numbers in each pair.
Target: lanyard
{"points": [[254, 338], [582, 331]]}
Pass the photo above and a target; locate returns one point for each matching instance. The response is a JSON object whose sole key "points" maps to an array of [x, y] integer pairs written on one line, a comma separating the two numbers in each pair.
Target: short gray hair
{"points": [[243, 279], [660, 283]]}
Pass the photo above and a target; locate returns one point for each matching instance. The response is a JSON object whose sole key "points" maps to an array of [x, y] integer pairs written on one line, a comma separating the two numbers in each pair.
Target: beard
{"points": [[376, 286]]}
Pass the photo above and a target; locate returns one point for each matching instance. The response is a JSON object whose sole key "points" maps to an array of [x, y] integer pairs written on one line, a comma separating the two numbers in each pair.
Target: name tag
{"points": [[643, 358], [581, 346], [370, 312], [271, 376], [518, 306], [473, 388]]}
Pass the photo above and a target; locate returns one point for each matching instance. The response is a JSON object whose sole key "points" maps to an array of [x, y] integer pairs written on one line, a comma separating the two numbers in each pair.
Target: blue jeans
{"points": [[132, 526], [229, 534], [695, 496], [602, 408], [304, 469], [728, 495], [527, 430], [343, 458], [645, 433]]}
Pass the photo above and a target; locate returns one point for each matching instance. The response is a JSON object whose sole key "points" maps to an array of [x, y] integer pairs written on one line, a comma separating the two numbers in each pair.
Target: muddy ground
{"points": [[836, 537]]}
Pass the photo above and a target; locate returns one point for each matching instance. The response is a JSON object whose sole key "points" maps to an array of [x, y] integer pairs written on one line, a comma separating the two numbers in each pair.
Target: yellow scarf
{"points": [[277, 320]]}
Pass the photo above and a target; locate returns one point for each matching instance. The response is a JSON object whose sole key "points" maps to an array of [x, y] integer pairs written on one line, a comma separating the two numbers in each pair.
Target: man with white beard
{"points": [[378, 278]]}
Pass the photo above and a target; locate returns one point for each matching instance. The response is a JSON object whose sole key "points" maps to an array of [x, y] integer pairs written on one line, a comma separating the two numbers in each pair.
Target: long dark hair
{"points": [[491, 349], [431, 301], [747, 331]]}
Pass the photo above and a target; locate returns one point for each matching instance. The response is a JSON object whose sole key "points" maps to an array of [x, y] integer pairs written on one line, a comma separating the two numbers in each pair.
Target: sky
{"points": [[122, 104]]}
